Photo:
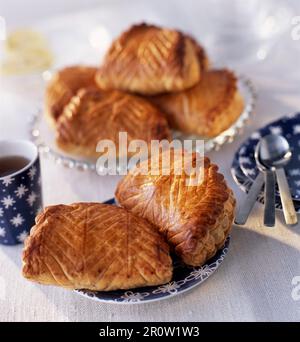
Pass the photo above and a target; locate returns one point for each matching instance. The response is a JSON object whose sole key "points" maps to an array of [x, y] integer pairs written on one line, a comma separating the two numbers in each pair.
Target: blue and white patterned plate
{"points": [[184, 279], [245, 183], [288, 127]]}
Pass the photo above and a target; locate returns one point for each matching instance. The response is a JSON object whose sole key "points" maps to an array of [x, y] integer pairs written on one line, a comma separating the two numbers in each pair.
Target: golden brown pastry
{"points": [[205, 63], [207, 109], [97, 247], [94, 115], [196, 219], [149, 60], [65, 84]]}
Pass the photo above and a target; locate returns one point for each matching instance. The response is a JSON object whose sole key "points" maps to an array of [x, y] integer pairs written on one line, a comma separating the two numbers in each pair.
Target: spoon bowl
{"points": [[274, 151], [262, 167]]}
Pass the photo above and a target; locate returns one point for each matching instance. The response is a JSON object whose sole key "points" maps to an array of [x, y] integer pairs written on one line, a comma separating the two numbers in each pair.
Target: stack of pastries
{"points": [[152, 80], [103, 247]]}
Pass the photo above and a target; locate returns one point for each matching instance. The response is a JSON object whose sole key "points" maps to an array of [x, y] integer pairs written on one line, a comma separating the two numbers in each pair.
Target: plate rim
{"points": [[213, 144], [224, 249], [223, 253]]}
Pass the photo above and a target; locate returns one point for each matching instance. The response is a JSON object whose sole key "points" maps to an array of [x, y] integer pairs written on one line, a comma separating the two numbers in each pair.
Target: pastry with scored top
{"points": [[63, 86], [207, 109], [94, 115], [150, 60], [97, 247], [195, 217]]}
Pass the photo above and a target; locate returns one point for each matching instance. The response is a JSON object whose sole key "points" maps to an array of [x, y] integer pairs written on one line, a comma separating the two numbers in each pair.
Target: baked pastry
{"points": [[195, 217], [65, 84], [203, 59], [149, 60], [207, 109], [97, 247], [94, 115]]}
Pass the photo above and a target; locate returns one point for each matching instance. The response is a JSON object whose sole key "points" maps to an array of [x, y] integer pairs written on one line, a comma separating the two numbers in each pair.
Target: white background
{"points": [[255, 281], [19, 12]]}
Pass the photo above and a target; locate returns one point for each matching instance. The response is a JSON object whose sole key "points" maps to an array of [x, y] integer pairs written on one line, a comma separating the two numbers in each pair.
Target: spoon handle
{"points": [[269, 212], [286, 199], [246, 207]]}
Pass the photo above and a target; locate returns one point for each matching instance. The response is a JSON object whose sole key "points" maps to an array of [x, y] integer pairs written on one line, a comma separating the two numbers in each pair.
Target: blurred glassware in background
{"points": [[25, 51], [241, 31], [235, 33]]}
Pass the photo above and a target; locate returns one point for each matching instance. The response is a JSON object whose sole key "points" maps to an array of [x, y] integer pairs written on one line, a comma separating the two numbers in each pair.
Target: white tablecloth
{"points": [[255, 280]]}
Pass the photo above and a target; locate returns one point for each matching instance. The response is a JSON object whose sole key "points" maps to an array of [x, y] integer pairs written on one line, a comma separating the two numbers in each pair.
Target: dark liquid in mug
{"points": [[12, 164]]}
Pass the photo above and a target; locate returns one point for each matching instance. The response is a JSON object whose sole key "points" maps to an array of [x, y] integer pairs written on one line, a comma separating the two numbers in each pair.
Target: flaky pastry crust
{"points": [[94, 115], [196, 219], [97, 247], [63, 86], [207, 109], [149, 60]]}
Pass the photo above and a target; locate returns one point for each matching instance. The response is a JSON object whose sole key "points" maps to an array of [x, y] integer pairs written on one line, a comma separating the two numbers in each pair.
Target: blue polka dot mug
{"points": [[20, 191]]}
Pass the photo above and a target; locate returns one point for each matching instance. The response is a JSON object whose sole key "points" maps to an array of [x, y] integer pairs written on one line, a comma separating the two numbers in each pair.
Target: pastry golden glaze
{"points": [[149, 60], [203, 59], [65, 84], [94, 115], [196, 219], [207, 109], [97, 247]]}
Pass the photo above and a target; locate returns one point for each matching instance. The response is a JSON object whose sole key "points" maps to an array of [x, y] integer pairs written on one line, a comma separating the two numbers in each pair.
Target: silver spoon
{"points": [[269, 193], [246, 207], [275, 154]]}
